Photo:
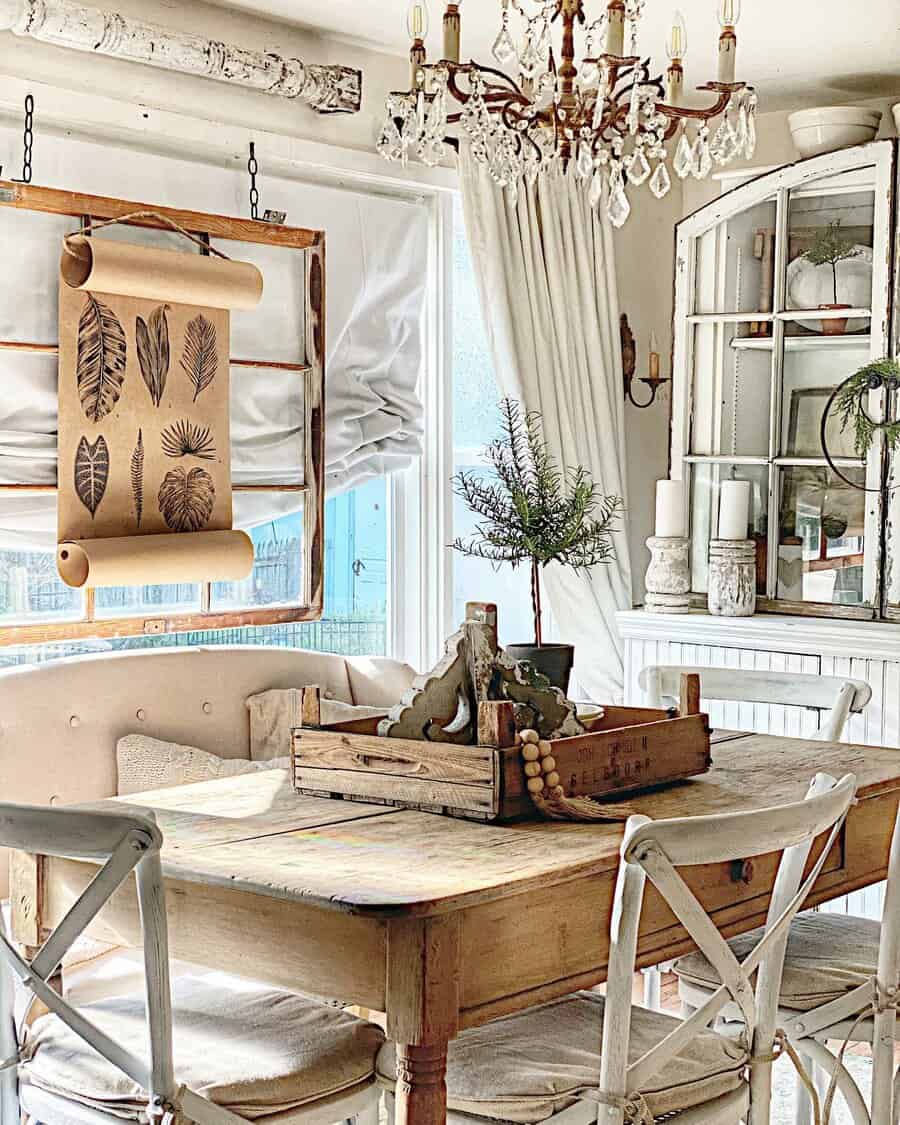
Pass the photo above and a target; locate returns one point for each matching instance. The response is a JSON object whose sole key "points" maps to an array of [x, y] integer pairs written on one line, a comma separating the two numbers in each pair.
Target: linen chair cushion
{"points": [[528, 1066], [146, 764], [252, 1049], [274, 714], [828, 955]]}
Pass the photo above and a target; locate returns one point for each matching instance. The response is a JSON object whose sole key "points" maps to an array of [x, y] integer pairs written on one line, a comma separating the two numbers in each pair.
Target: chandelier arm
{"points": [[681, 113]]}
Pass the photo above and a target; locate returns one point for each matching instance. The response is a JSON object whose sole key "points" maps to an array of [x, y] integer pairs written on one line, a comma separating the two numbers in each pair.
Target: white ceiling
{"points": [[795, 51]]}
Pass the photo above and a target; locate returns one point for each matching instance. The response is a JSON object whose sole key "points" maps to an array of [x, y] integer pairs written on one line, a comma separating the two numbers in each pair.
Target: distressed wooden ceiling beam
{"points": [[328, 89]]}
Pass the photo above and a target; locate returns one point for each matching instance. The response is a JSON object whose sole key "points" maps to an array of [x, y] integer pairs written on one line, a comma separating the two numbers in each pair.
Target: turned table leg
{"points": [[421, 1084], [422, 1012]]}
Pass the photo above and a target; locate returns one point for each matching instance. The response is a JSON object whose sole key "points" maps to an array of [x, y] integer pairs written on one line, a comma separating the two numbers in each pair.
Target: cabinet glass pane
{"points": [[821, 531], [732, 393], [813, 367], [829, 256], [735, 264], [705, 486]]}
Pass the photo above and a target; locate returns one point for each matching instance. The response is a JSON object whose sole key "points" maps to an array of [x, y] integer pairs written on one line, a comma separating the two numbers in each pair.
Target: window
{"points": [[762, 341], [476, 395]]}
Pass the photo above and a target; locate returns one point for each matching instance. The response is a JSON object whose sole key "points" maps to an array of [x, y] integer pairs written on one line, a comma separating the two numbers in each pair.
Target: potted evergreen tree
{"points": [[831, 248], [531, 513]]}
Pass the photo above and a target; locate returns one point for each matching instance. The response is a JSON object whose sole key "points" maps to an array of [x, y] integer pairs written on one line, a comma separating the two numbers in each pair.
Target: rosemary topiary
{"points": [[534, 513], [849, 405], [830, 249]]}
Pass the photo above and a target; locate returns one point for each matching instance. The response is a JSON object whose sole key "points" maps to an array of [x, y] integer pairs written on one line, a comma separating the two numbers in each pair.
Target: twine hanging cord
{"points": [[162, 220]]}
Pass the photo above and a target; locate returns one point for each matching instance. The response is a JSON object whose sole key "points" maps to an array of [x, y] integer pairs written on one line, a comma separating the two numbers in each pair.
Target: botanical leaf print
{"points": [[199, 359], [91, 472], [187, 499], [137, 477], [153, 351], [100, 367]]}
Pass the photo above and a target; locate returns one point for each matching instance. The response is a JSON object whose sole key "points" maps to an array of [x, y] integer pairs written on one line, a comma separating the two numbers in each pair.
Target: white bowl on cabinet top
{"points": [[829, 128]]}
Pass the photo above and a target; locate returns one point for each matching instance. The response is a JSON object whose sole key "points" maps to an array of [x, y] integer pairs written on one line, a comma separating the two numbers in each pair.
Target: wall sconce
{"points": [[629, 366]]}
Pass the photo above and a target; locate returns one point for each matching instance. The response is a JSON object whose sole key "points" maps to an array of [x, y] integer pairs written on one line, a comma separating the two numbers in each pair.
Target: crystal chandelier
{"points": [[603, 116]]}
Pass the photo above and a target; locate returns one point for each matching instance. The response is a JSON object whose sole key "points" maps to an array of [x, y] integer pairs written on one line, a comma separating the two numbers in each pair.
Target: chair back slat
{"points": [[658, 849], [739, 685]]}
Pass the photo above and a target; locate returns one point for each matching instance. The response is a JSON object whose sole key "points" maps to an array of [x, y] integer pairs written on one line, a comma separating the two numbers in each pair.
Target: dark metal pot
{"points": [[553, 661]]}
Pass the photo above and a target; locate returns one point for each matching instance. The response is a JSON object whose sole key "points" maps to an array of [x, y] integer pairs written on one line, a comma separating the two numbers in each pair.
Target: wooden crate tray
{"points": [[628, 749]]}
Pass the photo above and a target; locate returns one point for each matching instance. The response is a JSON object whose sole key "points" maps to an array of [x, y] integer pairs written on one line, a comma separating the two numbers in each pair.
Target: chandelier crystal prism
{"points": [[541, 109]]}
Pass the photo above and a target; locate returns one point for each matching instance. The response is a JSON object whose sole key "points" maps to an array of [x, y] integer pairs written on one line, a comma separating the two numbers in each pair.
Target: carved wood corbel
{"points": [[328, 89]]}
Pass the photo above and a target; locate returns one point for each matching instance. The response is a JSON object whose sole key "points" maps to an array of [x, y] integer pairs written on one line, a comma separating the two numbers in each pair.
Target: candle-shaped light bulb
{"points": [[654, 357], [417, 20], [677, 42], [729, 12]]}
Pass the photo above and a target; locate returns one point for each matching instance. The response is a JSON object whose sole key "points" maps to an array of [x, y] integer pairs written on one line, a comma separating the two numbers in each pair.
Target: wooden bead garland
{"points": [[540, 765], [543, 783]]}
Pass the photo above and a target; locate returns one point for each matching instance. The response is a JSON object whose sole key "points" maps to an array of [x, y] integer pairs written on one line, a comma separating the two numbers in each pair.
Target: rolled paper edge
{"points": [[154, 560], [99, 266]]}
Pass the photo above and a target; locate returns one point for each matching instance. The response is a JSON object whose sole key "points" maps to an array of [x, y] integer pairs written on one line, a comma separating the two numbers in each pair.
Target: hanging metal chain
{"points": [[28, 138], [253, 169]]}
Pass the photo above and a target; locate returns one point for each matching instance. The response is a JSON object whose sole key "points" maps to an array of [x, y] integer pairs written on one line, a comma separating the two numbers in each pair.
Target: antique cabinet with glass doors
{"points": [[764, 332]]}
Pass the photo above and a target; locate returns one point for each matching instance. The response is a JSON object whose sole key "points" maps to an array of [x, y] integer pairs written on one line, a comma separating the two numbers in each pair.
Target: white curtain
{"points": [[546, 275], [376, 260]]}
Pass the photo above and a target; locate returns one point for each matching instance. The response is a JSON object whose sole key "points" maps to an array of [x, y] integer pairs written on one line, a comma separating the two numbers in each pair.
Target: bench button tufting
{"points": [[74, 722], [207, 708], [141, 714]]}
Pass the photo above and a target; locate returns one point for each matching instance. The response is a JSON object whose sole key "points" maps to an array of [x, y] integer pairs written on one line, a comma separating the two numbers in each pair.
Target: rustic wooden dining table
{"points": [[444, 924]]}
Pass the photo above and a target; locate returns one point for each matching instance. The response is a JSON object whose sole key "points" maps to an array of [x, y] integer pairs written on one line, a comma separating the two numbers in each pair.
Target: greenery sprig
{"points": [[531, 512], [849, 406]]}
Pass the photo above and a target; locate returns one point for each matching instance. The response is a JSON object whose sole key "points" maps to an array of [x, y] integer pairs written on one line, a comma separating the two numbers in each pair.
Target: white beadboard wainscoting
{"points": [[861, 650]]}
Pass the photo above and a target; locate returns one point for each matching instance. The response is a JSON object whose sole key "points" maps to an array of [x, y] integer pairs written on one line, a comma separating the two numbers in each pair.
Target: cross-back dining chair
{"points": [[251, 1050], [841, 983], [543, 1065], [835, 697]]}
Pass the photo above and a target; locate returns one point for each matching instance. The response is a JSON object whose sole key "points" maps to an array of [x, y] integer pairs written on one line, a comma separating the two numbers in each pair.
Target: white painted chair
{"points": [[834, 696], [841, 982], [543, 1065], [254, 1052]]}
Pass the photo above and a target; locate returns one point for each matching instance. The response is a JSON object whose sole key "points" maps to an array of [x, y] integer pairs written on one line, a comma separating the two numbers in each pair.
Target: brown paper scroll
{"points": [[169, 558], [101, 266], [144, 431]]}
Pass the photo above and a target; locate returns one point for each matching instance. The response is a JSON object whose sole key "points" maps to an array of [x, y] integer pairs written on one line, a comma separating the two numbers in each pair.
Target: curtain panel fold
{"points": [[545, 267]]}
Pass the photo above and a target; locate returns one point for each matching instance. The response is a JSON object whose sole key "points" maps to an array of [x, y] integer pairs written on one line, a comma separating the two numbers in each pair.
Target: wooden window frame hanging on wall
{"points": [[86, 208]]}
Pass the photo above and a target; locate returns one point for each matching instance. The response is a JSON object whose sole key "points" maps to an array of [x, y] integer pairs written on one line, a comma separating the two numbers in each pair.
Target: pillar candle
{"points": [[670, 521], [734, 511]]}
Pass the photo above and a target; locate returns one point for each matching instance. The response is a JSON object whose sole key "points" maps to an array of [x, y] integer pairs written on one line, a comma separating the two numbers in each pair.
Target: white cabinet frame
{"points": [[865, 168]]}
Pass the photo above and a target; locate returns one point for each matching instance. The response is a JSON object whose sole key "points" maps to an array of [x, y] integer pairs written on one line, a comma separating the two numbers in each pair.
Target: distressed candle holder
{"points": [[668, 580], [732, 577]]}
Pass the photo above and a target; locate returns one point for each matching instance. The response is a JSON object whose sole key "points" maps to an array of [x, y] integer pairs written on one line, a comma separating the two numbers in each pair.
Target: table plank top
{"points": [[253, 833]]}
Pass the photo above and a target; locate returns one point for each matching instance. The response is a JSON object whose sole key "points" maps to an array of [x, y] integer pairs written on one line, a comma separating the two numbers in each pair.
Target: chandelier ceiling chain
{"points": [[603, 118]]}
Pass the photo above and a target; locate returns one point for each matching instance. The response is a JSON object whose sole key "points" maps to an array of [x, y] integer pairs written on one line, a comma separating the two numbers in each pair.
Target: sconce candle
{"points": [[654, 357], [734, 510], [670, 520]]}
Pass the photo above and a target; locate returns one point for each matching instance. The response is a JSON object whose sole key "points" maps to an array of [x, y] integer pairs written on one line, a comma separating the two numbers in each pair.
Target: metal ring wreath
{"points": [[848, 402]]}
